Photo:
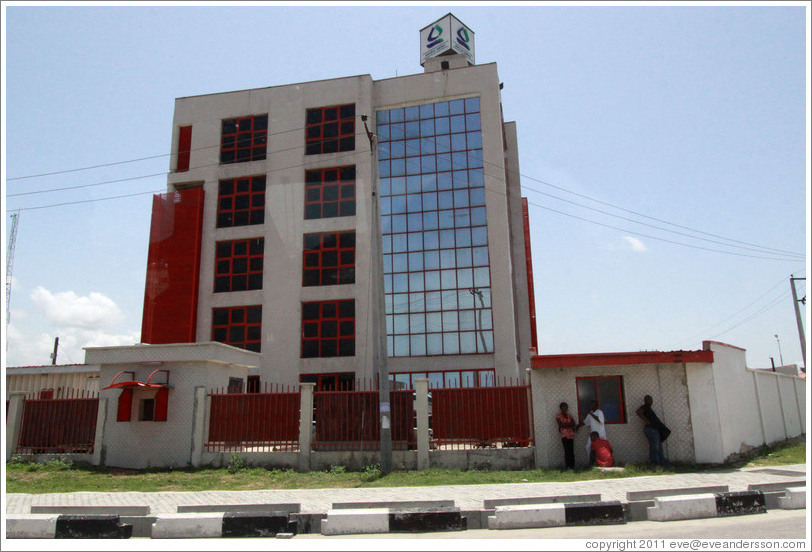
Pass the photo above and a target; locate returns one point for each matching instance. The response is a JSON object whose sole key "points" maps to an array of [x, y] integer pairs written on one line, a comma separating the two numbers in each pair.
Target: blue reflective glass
{"points": [[412, 184], [458, 123], [382, 117], [450, 322], [460, 178], [467, 342], [430, 220], [451, 343], [396, 115], [398, 204], [487, 337], [448, 279], [432, 279], [428, 164], [460, 198], [389, 323], [440, 109], [398, 223], [398, 185], [386, 224], [442, 126], [434, 344], [401, 324], [426, 111], [465, 277], [397, 131], [388, 303], [431, 259], [386, 186], [427, 146], [431, 240], [417, 323], [387, 264], [384, 169], [472, 105], [412, 113], [415, 262], [418, 345], [446, 218], [443, 144], [387, 283], [399, 262], [400, 283], [446, 239], [413, 129], [383, 133], [448, 258], [401, 345], [458, 142], [449, 300], [417, 302], [480, 256], [415, 241], [464, 258], [399, 243], [386, 205], [482, 277], [398, 167], [478, 216], [429, 182], [465, 299], [429, 201], [459, 160], [427, 127], [444, 181], [467, 320], [415, 221], [477, 197], [475, 158], [412, 165], [487, 322], [383, 150], [455, 107], [479, 236], [412, 147], [474, 140], [397, 148], [390, 345], [473, 122], [462, 218], [445, 200], [463, 237], [400, 302], [415, 281], [476, 178]]}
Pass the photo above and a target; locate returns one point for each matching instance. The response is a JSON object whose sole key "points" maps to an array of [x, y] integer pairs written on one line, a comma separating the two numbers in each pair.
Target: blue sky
{"points": [[687, 123]]}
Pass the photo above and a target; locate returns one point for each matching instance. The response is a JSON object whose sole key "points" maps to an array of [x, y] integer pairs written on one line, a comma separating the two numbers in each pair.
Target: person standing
{"points": [[655, 430], [594, 420], [567, 428]]}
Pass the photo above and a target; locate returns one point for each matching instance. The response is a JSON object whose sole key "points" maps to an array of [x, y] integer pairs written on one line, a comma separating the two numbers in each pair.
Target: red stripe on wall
{"points": [[528, 258], [173, 268], [184, 148]]}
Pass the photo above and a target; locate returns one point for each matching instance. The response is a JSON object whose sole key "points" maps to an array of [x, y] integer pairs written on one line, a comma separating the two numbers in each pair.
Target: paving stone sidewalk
{"points": [[467, 497]]}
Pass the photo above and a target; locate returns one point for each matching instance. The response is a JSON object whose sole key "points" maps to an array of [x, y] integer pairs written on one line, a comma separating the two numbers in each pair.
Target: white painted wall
{"points": [[71, 378]]}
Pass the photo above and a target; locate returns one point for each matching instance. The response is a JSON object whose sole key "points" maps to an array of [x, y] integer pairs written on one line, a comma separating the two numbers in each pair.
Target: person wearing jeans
{"points": [[655, 432]]}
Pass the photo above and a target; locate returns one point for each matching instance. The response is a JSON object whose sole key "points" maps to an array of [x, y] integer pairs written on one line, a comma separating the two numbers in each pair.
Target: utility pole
{"points": [[798, 320], [780, 354], [12, 239], [377, 307], [53, 355]]}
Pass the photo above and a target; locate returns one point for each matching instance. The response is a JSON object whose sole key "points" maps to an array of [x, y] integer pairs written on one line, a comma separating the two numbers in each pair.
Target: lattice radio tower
{"points": [[15, 218]]}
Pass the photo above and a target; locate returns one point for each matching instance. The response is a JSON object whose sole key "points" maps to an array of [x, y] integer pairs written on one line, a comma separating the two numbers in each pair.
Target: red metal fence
{"points": [[59, 426], [350, 420], [254, 422], [499, 416]]}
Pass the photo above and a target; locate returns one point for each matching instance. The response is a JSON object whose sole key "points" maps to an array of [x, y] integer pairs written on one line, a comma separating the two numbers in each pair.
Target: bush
{"points": [[337, 470], [236, 463], [371, 473]]}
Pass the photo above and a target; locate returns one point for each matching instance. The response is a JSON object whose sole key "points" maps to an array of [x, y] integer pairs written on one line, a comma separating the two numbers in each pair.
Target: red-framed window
{"points": [[330, 193], [330, 129], [184, 148], [608, 391], [344, 381], [241, 201], [328, 329], [238, 326], [244, 139], [238, 265], [46, 394], [329, 259]]}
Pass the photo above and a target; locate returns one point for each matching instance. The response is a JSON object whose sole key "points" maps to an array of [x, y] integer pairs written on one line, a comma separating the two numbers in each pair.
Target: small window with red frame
{"points": [[608, 391], [241, 202], [329, 259], [238, 326], [330, 193], [330, 129], [244, 139], [238, 265], [328, 329]]}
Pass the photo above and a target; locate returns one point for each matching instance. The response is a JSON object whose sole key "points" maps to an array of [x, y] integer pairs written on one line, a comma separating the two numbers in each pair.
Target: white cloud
{"points": [[28, 350], [634, 244], [65, 308]]}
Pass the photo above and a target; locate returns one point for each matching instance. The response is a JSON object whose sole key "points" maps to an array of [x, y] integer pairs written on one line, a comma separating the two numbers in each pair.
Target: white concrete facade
{"points": [[69, 378]]}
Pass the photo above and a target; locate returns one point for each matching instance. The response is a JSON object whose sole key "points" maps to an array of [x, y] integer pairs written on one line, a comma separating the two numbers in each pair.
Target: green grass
{"points": [[60, 477]]}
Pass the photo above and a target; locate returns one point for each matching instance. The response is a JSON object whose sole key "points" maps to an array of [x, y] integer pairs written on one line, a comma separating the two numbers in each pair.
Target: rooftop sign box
{"points": [[445, 36]]}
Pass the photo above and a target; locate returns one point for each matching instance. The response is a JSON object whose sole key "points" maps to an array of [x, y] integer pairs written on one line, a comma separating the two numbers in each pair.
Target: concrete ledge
{"points": [[290, 508], [348, 521], [765, 487], [794, 499], [564, 499], [30, 526], [670, 508], [414, 504], [93, 510], [527, 516], [226, 524], [632, 496]]}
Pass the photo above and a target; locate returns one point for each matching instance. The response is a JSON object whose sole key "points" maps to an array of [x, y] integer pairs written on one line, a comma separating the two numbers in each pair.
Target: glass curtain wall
{"points": [[434, 229]]}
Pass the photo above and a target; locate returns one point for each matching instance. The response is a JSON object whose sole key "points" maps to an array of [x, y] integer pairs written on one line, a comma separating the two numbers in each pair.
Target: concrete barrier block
{"points": [[81, 526], [256, 524], [356, 521], [200, 508], [670, 508], [425, 521], [794, 499], [490, 504], [595, 513], [187, 526], [31, 526], [395, 504], [632, 496], [528, 516], [122, 510], [740, 503]]}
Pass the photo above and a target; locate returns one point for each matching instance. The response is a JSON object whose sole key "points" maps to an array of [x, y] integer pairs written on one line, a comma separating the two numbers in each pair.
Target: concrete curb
{"points": [[223, 524], [348, 521], [531, 516], [638, 502], [794, 499], [707, 505], [66, 526]]}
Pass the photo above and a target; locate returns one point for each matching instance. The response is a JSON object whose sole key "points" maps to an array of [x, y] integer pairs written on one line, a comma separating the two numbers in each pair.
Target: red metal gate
{"points": [[59, 426]]}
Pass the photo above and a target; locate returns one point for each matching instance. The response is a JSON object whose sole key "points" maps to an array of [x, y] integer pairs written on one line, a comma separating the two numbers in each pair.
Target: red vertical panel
{"points": [[528, 258], [125, 405], [173, 268], [184, 148], [161, 404]]}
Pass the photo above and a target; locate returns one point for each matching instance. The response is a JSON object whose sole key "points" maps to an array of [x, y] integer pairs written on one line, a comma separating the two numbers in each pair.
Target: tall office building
{"points": [[303, 220]]}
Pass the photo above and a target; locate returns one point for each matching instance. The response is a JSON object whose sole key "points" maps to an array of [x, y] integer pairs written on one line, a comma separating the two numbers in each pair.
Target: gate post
{"points": [[305, 425], [98, 440], [14, 421], [422, 408], [198, 426]]}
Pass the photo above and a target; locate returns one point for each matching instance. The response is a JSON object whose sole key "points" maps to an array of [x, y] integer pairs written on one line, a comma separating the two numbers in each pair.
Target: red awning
{"points": [[143, 384]]}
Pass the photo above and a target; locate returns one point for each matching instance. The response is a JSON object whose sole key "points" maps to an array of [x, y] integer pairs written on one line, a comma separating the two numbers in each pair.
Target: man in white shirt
{"points": [[595, 421]]}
